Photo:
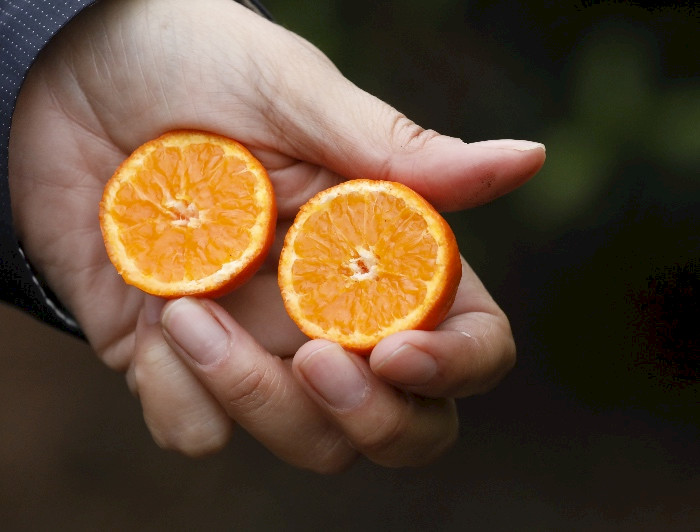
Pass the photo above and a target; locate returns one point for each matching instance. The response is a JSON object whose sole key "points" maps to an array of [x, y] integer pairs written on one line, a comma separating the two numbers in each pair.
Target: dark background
{"points": [[595, 261]]}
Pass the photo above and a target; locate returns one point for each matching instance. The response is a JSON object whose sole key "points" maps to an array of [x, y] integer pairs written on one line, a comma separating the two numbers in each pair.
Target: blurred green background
{"points": [[595, 261]]}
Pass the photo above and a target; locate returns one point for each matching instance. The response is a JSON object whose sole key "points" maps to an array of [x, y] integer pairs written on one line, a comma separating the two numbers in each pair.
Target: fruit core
{"points": [[364, 266], [184, 214]]}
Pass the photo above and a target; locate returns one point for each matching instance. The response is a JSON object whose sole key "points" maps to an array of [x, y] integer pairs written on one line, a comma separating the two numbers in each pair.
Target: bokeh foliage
{"points": [[596, 259]]}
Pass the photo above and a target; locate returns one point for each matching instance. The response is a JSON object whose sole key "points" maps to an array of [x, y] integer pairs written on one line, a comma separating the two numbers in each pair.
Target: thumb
{"points": [[331, 122]]}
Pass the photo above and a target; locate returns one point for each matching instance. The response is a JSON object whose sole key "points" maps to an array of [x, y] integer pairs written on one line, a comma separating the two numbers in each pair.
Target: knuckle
{"points": [[402, 136], [493, 355], [433, 429], [505, 361], [253, 390], [443, 441], [438, 432], [384, 437], [407, 135], [202, 444], [192, 440], [333, 455]]}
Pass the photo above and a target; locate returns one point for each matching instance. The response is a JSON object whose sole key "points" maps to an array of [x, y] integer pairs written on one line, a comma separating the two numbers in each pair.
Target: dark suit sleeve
{"points": [[25, 28]]}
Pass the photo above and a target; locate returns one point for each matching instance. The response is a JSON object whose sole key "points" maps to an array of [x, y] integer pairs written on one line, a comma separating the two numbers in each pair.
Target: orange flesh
{"points": [[362, 259], [189, 213], [168, 219]]}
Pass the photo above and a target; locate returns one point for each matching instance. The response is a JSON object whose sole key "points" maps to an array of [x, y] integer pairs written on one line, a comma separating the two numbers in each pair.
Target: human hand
{"points": [[127, 70]]}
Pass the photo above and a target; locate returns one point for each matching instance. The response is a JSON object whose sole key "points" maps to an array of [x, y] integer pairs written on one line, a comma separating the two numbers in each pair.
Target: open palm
{"points": [[124, 72]]}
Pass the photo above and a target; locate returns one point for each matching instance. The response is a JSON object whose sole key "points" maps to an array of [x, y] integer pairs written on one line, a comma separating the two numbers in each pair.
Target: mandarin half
{"points": [[365, 259], [188, 213]]}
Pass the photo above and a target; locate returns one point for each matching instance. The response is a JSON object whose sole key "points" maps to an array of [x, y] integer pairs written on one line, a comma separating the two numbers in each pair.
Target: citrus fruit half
{"points": [[188, 213], [365, 259]]}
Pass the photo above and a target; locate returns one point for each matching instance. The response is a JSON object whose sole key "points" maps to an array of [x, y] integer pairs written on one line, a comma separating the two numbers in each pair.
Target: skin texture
{"points": [[123, 72]]}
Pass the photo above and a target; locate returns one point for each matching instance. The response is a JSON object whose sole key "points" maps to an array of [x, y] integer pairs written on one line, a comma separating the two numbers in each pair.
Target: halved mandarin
{"points": [[188, 213], [365, 259]]}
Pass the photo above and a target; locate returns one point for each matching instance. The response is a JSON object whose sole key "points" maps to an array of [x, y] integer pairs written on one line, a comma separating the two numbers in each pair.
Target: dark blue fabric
{"points": [[25, 28]]}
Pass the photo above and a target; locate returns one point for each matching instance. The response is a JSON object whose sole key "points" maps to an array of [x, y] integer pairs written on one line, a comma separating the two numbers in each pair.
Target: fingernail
{"points": [[195, 331], [335, 377], [512, 144], [408, 365]]}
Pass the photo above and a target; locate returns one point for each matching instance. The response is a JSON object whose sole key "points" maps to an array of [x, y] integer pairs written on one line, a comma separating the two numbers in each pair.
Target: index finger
{"points": [[468, 354], [255, 388]]}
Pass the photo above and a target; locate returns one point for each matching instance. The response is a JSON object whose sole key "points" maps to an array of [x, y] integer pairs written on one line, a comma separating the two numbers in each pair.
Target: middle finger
{"points": [[390, 427]]}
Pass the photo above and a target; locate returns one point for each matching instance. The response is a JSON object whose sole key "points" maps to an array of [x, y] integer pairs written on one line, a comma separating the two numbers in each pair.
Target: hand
{"points": [[123, 72]]}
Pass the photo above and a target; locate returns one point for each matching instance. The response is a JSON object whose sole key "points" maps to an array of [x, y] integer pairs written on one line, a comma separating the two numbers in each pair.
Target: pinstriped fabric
{"points": [[25, 28], [256, 6]]}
